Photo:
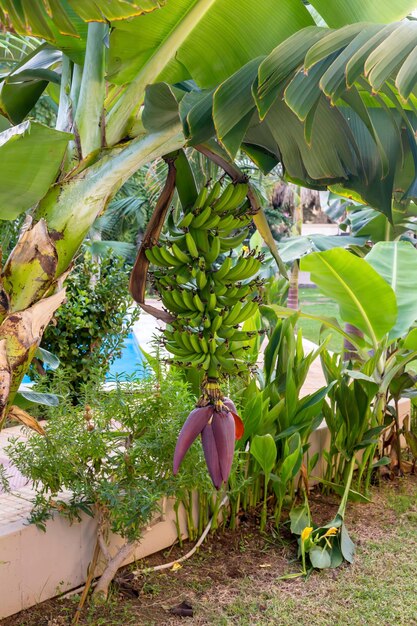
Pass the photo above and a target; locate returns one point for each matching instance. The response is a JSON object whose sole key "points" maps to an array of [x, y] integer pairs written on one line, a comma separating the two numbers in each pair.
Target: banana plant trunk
{"points": [[32, 278]]}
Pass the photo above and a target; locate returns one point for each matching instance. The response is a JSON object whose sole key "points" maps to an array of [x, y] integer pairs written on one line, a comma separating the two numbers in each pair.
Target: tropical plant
{"points": [[278, 421], [207, 292], [379, 368]]}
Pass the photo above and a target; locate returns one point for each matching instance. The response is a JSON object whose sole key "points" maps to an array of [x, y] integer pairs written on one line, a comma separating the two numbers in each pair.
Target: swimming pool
{"points": [[130, 362]]}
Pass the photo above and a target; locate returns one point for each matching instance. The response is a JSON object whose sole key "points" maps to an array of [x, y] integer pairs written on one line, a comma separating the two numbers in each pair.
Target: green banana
{"points": [[246, 312], [169, 302], [182, 277], [225, 267], [179, 254], [186, 220], [150, 255], [195, 343], [201, 198], [244, 268], [232, 314], [178, 299], [213, 193], [192, 248], [211, 301], [169, 258], [225, 199], [187, 297], [204, 344], [206, 292], [211, 223], [230, 243], [198, 303], [199, 220], [216, 323], [206, 362], [201, 279], [214, 249]]}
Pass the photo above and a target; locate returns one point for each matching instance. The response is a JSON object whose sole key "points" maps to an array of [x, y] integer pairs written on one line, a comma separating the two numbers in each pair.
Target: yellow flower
{"points": [[306, 533], [332, 531]]}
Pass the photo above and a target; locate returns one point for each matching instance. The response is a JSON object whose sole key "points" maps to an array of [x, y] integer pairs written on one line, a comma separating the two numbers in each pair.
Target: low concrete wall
{"points": [[36, 566]]}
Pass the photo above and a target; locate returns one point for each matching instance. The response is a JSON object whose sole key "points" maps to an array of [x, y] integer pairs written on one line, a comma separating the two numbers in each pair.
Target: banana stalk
{"points": [[207, 293]]}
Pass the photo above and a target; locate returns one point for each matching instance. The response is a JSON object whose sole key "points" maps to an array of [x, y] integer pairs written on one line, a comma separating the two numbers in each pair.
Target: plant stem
{"points": [[70, 208], [109, 573], [264, 506], [343, 503], [177, 521], [88, 117], [369, 471], [90, 577]]}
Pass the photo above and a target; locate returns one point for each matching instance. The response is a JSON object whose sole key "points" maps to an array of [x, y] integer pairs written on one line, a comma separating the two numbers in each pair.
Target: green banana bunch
{"points": [[206, 286]]}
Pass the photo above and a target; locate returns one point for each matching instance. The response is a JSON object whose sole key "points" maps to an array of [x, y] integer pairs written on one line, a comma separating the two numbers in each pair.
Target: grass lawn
{"points": [[235, 577], [313, 302]]}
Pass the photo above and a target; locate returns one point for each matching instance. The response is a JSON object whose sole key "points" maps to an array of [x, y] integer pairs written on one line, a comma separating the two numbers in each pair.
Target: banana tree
{"points": [[65, 177], [69, 174]]}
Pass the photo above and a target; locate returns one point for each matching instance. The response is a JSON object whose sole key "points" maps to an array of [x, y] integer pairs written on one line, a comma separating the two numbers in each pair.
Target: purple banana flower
{"points": [[218, 431]]}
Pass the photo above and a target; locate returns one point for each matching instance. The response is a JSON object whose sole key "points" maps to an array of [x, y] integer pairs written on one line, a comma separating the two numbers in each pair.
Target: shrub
{"points": [[113, 456], [91, 326]]}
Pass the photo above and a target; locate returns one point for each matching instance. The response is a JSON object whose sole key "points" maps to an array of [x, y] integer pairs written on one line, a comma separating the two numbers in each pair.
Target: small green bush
{"points": [[90, 327], [113, 456]]}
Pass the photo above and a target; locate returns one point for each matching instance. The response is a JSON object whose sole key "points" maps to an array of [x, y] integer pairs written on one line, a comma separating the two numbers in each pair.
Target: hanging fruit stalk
{"points": [[209, 291]]}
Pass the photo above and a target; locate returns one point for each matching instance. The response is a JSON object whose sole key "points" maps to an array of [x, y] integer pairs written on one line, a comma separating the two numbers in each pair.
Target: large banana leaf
{"points": [[62, 22], [353, 162], [21, 88], [30, 156], [377, 51], [207, 40], [295, 248], [396, 262], [365, 299], [340, 12]]}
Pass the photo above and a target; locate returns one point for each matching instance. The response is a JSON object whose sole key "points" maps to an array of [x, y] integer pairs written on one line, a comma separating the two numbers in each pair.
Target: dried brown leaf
{"points": [[22, 332], [16, 413]]}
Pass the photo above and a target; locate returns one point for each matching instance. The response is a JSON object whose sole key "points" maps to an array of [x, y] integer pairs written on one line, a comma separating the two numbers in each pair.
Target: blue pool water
{"points": [[131, 362]]}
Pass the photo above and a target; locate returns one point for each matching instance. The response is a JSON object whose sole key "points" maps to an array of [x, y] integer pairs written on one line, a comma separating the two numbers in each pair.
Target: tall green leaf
{"points": [[30, 156], [264, 450], [357, 288], [396, 262], [337, 13], [22, 87]]}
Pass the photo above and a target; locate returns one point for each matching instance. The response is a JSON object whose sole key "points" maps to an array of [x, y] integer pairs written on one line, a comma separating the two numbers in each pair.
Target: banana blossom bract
{"points": [[219, 426]]}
